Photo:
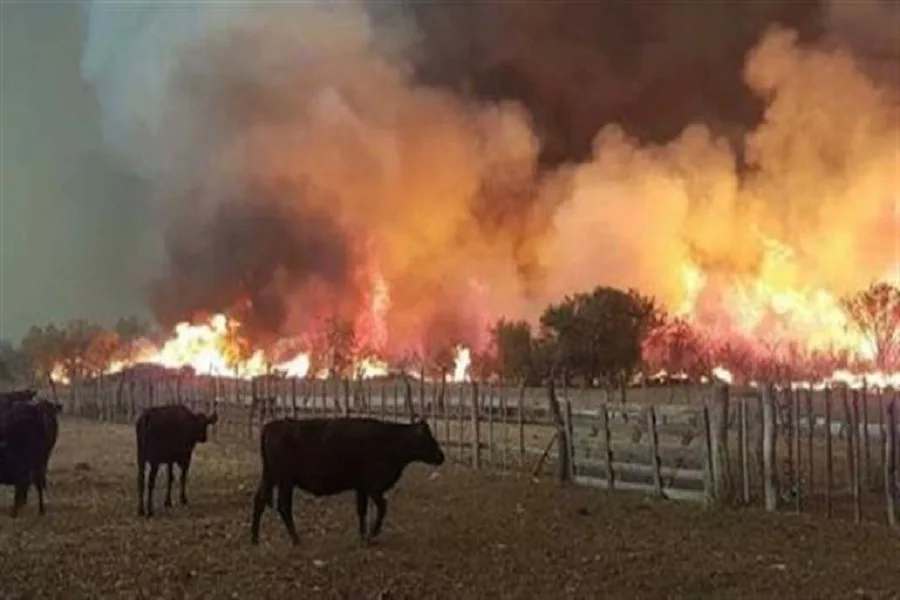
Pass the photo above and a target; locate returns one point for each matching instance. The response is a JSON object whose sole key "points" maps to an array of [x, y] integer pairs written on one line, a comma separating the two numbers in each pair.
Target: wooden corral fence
{"points": [[831, 451]]}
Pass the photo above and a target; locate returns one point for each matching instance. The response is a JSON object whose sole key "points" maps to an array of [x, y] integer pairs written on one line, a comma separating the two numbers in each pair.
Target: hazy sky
{"points": [[70, 223]]}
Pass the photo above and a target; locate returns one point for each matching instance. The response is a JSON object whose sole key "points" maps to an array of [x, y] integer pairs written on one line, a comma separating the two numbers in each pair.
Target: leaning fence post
{"points": [[570, 441], [607, 448], [654, 451]]}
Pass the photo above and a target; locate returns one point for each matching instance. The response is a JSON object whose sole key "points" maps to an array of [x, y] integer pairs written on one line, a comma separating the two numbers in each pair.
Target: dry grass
{"points": [[461, 534]]}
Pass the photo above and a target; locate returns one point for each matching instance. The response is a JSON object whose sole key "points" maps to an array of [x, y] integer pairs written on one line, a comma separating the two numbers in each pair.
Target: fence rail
{"points": [[831, 451]]}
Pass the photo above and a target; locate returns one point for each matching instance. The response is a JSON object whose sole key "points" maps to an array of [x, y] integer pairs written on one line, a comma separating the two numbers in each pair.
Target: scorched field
{"points": [[454, 533]]}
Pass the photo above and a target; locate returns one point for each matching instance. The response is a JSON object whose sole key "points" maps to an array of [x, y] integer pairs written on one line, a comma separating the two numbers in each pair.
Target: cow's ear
{"points": [[213, 418]]}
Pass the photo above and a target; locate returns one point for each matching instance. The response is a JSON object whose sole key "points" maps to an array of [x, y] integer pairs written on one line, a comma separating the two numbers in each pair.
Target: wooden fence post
{"points": [[720, 459], [810, 432], [561, 434], [654, 451], [570, 441], [866, 450], [797, 438], [504, 453], [857, 460], [607, 450], [890, 461], [744, 449], [829, 456], [476, 428], [521, 424], [769, 482], [709, 486], [489, 402]]}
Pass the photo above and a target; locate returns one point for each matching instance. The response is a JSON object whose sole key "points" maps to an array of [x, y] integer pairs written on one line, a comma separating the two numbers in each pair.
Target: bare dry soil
{"points": [[454, 534]]}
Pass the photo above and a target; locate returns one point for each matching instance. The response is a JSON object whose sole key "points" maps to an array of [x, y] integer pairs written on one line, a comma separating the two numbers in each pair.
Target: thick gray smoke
{"points": [[481, 158]]}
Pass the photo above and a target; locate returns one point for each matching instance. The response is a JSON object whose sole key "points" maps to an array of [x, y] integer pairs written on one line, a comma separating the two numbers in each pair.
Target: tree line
{"points": [[605, 337]]}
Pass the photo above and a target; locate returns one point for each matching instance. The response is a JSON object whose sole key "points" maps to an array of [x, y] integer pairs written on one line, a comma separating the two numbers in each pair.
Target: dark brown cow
{"points": [[167, 435], [7, 399], [28, 432], [330, 456]]}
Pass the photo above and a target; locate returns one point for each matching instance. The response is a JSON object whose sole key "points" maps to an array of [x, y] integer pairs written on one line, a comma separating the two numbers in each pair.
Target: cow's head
{"points": [[201, 425], [424, 447]]}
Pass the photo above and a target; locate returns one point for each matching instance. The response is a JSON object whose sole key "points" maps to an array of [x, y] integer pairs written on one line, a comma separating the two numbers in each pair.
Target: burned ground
{"points": [[458, 534]]}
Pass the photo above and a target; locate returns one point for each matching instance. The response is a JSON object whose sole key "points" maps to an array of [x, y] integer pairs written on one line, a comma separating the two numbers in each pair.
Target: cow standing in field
{"points": [[329, 456], [7, 399], [28, 433], [167, 435]]}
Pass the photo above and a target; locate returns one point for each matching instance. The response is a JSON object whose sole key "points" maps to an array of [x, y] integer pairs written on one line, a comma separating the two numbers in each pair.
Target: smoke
{"points": [[484, 159], [298, 163]]}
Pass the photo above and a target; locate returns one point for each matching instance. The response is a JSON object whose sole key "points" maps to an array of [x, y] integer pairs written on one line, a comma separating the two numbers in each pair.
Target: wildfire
{"points": [[778, 315]]}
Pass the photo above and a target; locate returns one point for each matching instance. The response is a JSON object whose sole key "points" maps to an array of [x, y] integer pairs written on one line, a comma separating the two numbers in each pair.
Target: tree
{"points": [[339, 341], [43, 350], [677, 347], [76, 339], [875, 311], [102, 348], [512, 341], [13, 363], [130, 330], [599, 335]]}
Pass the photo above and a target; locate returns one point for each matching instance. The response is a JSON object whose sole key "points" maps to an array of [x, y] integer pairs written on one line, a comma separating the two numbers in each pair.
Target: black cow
{"points": [[330, 456], [167, 435], [7, 399], [28, 432]]}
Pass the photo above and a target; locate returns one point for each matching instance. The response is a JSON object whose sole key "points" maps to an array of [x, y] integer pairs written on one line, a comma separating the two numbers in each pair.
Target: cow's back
{"points": [[163, 433], [326, 456], [23, 436]]}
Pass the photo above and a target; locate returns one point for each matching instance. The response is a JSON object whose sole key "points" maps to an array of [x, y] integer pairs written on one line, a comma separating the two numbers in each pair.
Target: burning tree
{"points": [[43, 349], [677, 347], [130, 330], [875, 311]]}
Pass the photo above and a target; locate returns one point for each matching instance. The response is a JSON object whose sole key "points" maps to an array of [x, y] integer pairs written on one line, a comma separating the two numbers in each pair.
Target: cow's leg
{"points": [[168, 502], [362, 509], [185, 466], [140, 489], [286, 510], [19, 497], [39, 482], [262, 497], [151, 483], [381, 508]]}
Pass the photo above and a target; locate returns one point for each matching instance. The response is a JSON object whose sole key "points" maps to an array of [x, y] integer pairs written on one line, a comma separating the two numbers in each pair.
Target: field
{"points": [[459, 533]]}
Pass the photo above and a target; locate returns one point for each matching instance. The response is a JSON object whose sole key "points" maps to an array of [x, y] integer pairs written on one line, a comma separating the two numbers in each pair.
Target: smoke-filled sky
{"points": [[479, 158]]}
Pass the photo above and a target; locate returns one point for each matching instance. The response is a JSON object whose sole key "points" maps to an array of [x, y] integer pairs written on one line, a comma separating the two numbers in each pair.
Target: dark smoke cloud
{"points": [[651, 67], [257, 250]]}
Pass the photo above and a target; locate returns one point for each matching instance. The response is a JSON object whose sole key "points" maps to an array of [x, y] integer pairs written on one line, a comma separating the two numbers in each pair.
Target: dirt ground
{"points": [[456, 534]]}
